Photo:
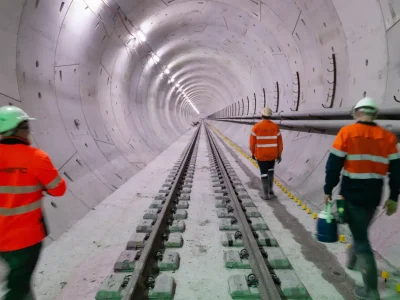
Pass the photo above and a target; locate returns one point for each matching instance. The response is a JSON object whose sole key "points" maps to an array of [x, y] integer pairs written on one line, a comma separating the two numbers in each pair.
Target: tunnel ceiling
{"points": [[216, 52]]}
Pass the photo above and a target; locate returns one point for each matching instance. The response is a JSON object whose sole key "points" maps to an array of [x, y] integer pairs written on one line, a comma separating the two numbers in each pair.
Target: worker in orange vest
{"points": [[367, 153], [25, 173], [266, 147]]}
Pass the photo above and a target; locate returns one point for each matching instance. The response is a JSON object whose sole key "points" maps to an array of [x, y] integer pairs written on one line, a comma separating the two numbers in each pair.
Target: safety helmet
{"points": [[11, 117], [367, 105], [266, 112]]}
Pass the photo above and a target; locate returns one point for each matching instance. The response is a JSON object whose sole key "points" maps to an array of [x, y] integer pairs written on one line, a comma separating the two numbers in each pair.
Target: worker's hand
{"points": [[390, 207], [327, 198], [279, 159]]}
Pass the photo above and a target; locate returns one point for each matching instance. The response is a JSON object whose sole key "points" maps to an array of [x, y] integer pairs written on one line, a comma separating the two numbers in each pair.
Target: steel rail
{"points": [[137, 285], [267, 287]]}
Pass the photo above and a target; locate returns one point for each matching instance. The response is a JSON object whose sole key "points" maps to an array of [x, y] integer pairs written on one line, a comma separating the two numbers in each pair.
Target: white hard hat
{"points": [[11, 117], [266, 112], [367, 105]]}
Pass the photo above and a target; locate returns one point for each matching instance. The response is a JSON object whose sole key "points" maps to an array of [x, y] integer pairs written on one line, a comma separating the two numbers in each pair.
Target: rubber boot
{"points": [[370, 277], [351, 258], [265, 187], [271, 184]]}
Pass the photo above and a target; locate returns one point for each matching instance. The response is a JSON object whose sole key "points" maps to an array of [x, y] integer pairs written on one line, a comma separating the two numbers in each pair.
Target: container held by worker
{"points": [[25, 173], [266, 146], [367, 153]]}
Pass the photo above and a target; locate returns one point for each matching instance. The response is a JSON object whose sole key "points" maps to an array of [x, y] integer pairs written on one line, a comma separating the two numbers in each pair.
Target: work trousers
{"points": [[359, 219], [266, 168], [22, 263]]}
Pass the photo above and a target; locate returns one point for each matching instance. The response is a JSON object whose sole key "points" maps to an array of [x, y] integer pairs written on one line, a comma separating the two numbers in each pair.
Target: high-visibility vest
{"points": [[25, 172], [367, 150], [266, 141]]}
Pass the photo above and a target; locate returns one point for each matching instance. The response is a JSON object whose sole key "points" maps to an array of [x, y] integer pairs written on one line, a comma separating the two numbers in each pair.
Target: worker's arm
{"points": [[335, 163], [48, 176], [253, 141], [394, 170]]}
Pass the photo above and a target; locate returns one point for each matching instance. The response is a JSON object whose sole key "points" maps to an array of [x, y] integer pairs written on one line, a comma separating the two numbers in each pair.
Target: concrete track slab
{"points": [[321, 267], [74, 266], [202, 274]]}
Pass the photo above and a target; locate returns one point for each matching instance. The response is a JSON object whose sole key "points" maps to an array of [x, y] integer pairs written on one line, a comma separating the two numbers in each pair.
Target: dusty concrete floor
{"points": [[294, 230]]}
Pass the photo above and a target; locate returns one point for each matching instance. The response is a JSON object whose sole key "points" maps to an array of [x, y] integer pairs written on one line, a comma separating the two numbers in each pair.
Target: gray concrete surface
{"points": [[105, 109]]}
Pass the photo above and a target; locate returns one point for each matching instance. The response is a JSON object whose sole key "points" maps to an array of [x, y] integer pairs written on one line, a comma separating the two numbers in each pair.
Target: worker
{"points": [[25, 173], [266, 147], [367, 152]]}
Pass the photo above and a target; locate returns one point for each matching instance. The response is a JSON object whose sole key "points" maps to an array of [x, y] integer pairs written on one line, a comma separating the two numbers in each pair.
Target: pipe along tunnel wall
{"points": [[112, 83]]}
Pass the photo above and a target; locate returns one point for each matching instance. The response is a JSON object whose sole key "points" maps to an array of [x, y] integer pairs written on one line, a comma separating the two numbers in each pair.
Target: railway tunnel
{"points": [[116, 86]]}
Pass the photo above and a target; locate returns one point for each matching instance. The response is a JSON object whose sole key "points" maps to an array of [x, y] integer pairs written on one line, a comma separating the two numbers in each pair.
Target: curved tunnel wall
{"points": [[105, 108]]}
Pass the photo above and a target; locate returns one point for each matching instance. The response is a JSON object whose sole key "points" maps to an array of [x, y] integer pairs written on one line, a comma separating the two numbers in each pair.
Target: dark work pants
{"points": [[266, 168], [22, 263], [359, 219]]}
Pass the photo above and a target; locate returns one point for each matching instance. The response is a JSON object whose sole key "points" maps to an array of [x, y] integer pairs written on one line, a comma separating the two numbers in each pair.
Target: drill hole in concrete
{"points": [[366, 62], [365, 94], [86, 145], [303, 21], [39, 95], [324, 24], [62, 6], [314, 91], [313, 69], [333, 50], [37, 64]]}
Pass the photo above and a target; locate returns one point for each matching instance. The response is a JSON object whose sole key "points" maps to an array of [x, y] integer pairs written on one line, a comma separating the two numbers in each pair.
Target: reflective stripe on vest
{"points": [[363, 175], [394, 156], [266, 137], [266, 145], [20, 190], [7, 212], [54, 183], [374, 158]]}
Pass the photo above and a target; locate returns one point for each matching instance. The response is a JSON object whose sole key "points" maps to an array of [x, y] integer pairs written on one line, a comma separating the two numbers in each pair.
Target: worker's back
{"points": [[368, 149], [266, 141], [25, 172]]}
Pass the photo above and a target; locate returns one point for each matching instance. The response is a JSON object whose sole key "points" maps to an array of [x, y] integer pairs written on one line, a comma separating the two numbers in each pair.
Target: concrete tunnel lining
{"points": [[75, 60]]}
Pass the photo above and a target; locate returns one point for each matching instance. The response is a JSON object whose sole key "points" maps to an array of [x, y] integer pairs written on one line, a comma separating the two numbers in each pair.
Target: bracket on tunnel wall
{"points": [[238, 108], [255, 103], [242, 107], [276, 97], [395, 99], [333, 83], [235, 108], [297, 83], [265, 100], [248, 106]]}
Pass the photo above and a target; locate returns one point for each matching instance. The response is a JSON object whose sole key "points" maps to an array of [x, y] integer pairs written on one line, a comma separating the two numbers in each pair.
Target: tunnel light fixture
{"points": [[156, 58], [141, 36], [166, 71], [145, 27], [172, 79], [193, 106]]}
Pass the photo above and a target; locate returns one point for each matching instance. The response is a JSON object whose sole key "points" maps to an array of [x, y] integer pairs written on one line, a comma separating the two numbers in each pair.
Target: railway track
{"points": [[257, 266]]}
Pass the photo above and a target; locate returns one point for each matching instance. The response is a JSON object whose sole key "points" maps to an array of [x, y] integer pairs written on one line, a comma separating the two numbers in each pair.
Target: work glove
{"points": [[279, 159], [390, 207]]}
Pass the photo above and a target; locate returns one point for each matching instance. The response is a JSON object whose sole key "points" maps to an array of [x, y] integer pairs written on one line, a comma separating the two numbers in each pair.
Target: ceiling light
{"points": [[145, 27], [141, 36], [172, 79], [156, 58], [167, 71]]}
